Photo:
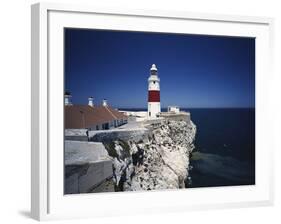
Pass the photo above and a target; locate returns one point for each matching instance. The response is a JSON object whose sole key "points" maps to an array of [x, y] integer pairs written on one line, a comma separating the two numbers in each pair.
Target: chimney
{"points": [[67, 99], [104, 102], [91, 102]]}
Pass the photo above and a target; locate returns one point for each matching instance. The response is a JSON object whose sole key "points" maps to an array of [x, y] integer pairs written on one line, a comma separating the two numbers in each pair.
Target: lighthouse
{"points": [[153, 107]]}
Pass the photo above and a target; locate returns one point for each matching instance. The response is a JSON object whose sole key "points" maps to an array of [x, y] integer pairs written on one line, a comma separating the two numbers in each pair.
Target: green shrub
{"points": [[126, 149], [110, 147]]}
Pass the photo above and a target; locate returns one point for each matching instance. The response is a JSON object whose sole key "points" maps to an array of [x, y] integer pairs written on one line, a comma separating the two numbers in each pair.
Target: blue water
{"points": [[225, 148]]}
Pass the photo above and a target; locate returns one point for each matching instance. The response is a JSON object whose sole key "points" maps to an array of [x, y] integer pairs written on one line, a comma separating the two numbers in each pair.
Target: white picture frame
{"points": [[48, 201]]}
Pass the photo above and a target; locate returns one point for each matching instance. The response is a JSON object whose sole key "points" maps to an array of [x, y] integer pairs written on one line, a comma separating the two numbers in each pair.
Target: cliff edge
{"points": [[160, 160]]}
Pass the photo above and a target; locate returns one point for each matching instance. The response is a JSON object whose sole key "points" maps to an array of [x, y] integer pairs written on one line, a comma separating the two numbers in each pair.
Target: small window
{"points": [[153, 82]]}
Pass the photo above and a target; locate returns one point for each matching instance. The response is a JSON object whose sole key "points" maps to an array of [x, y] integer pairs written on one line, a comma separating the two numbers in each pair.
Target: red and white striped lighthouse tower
{"points": [[154, 107]]}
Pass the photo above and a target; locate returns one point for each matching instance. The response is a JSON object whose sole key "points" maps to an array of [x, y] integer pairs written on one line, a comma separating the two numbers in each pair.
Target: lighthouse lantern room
{"points": [[154, 107]]}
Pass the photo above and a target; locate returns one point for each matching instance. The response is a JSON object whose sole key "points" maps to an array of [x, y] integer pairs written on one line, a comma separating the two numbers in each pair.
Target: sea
{"points": [[224, 153]]}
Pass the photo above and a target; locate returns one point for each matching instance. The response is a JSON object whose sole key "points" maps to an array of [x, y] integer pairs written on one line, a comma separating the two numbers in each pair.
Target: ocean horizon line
{"points": [[164, 108]]}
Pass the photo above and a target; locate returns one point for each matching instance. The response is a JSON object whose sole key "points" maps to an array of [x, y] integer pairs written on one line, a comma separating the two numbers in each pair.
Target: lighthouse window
{"points": [[153, 82]]}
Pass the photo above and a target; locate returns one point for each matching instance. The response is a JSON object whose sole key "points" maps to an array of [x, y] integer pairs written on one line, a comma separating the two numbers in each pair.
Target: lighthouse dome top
{"points": [[153, 67]]}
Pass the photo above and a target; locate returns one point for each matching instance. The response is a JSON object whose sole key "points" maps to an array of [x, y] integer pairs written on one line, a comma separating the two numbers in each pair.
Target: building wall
{"points": [[173, 109], [86, 166], [153, 109], [108, 125], [154, 83]]}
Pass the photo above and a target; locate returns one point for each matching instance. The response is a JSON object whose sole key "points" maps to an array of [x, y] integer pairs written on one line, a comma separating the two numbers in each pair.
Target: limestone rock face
{"points": [[159, 161]]}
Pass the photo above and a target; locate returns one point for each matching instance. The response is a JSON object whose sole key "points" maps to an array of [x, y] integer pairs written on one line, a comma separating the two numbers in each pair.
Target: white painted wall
{"points": [[15, 65], [84, 154], [154, 83], [173, 109], [153, 109], [77, 152]]}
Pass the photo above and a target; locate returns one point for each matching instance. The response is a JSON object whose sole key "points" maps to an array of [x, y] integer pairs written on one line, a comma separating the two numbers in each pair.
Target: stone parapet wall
{"points": [[117, 134], [181, 116]]}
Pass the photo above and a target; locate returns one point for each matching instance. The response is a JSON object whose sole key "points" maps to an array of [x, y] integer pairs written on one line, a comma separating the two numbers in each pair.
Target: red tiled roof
{"points": [[116, 113], [84, 116]]}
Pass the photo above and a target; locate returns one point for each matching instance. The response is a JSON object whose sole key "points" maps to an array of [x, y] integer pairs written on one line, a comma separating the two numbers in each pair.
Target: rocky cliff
{"points": [[158, 161]]}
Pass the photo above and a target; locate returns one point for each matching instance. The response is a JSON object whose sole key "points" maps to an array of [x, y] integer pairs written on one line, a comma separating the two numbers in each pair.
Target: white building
{"points": [[154, 107], [174, 109]]}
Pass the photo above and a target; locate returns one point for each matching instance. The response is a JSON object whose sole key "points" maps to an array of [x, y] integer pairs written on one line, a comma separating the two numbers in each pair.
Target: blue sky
{"points": [[196, 71]]}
